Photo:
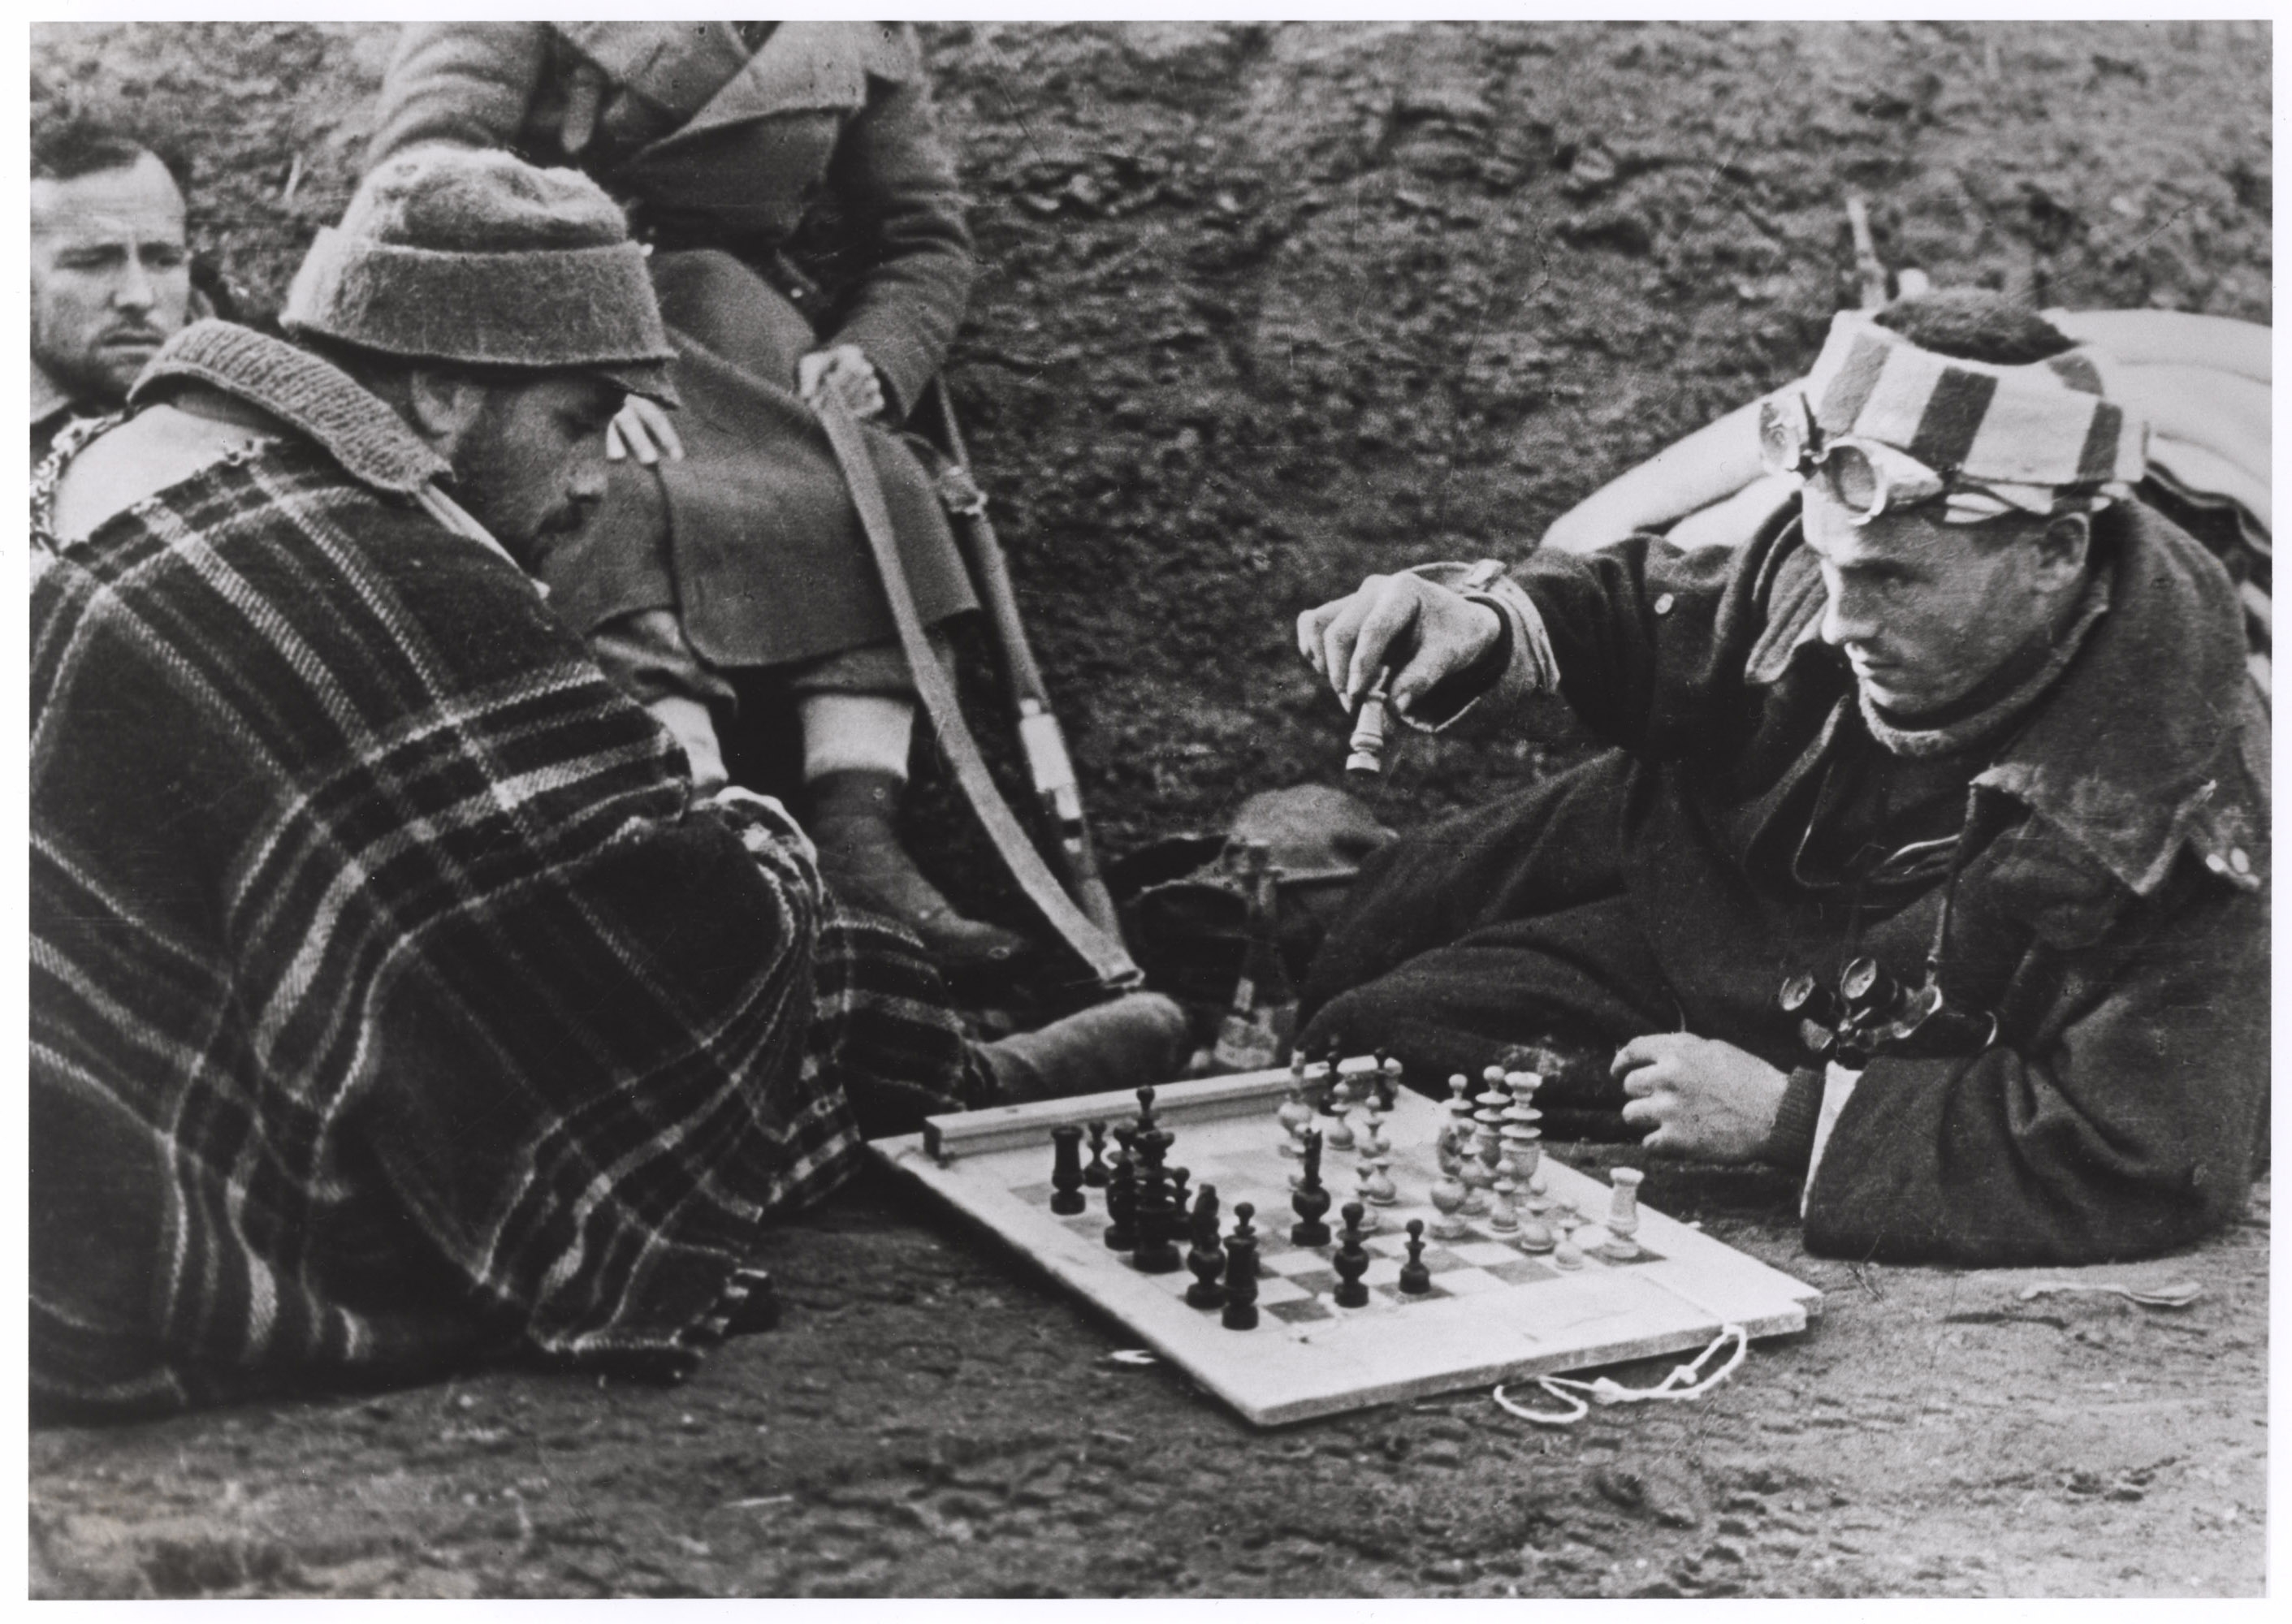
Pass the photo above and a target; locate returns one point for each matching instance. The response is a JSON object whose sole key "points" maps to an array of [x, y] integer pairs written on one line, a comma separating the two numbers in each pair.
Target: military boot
{"points": [[1138, 1039], [864, 864]]}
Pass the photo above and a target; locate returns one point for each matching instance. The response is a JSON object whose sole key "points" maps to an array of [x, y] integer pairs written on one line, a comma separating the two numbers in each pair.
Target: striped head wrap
{"points": [[2043, 439]]}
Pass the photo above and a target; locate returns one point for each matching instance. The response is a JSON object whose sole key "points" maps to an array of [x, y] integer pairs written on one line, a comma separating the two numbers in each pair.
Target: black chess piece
{"points": [[1416, 1279], [1310, 1201], [1146, 1123], [1066, 1171], [1181, 1203], [1095, 1174], [1351, 1262], [1122, 1204], [1382, 1084], [1155, 1250], [1241, 1272], [1207, 1259]]}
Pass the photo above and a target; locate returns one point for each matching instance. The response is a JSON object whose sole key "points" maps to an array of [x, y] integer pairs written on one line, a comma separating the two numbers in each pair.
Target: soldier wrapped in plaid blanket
{"points": [[394, 1002]]}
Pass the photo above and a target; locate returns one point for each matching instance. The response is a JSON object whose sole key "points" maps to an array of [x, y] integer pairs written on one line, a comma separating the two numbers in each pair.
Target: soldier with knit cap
{"points": [[808, 235], [398, 1002]]}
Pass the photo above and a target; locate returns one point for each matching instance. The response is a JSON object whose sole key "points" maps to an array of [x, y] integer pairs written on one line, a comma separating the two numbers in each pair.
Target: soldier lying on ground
{"points": [[1965, 708], [397, 1002]]}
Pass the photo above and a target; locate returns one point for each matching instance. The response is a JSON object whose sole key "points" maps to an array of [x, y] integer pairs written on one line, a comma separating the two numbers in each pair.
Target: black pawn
{"points": [[1416, 1279], [1382, 1084], [1206, 1261], [1312, 1200], [1240, 1272], [1181, 1200], [1066, 1171], [1146, 1112], [1351, 1262], [1122, 1206], [1095, 1174]]}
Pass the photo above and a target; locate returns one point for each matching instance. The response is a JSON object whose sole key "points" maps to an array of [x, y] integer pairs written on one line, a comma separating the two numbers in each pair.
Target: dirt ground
{"points": [[930, 1420], [1266, 307]]}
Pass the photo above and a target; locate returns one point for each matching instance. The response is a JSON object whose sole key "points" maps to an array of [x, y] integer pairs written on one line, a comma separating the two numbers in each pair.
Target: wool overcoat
{"points": [[796, 195], [2108, 900]]}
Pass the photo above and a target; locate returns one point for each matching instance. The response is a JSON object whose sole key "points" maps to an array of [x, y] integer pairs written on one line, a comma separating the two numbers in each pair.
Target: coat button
{"points": [[1663, 604], [2238, 861]]}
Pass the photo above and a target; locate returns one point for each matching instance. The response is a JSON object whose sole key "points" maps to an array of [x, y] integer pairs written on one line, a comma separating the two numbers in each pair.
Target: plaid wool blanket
{"points": [[394, 1002]]}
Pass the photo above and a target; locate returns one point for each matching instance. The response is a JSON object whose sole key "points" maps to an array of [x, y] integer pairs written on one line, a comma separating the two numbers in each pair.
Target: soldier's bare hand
{"points": [[1421, 630], [1699, 1095], [844, 369], [641, 428]]}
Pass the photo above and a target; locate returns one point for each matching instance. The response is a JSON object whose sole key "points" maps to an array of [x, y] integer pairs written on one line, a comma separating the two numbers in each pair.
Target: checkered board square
{"points": [[1495, 1312]]}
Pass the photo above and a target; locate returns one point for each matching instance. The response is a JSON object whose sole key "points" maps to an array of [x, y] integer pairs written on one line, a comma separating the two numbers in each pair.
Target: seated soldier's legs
{"points": [[1504, 929], [856, 710], [855, 713]]}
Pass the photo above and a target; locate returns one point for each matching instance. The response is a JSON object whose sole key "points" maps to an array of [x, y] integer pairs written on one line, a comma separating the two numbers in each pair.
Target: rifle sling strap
{"points": [[1105, 956]]}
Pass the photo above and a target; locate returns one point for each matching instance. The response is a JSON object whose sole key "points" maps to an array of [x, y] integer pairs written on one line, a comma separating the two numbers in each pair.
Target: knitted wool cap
{"points": [[447, 254], [2048, 436]]}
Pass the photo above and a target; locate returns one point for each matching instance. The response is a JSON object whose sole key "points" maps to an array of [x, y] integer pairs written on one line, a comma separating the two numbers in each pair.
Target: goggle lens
{"points": [[1855, 479]]}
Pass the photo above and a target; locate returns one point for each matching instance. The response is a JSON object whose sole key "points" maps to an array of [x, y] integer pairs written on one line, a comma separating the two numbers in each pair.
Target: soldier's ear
{"points": [[2063, 547], [444, 407]]}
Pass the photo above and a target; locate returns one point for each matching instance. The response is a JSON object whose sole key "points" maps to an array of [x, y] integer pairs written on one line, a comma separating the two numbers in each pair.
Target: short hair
{"points": [[1973, 324], [70, 141]]}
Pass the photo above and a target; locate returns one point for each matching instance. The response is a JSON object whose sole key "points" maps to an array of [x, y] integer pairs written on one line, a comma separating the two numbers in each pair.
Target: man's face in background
{"points": [[111, 277]]}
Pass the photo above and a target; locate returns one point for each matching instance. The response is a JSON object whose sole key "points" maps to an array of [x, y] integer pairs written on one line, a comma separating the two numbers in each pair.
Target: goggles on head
{"points": [[1866, 477]]}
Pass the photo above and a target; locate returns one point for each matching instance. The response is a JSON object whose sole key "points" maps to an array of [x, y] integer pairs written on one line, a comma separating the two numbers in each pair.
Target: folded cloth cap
{"points": [[2043, 438], [454, 255]]}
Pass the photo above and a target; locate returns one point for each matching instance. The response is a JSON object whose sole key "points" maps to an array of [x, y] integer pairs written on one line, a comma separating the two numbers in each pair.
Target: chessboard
{"points": [[1492, 1312]]}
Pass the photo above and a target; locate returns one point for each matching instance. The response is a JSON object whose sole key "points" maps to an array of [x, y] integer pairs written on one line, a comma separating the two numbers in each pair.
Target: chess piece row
{"points": [[1324, 1099], [1227, 1279], [1146, 1197]]}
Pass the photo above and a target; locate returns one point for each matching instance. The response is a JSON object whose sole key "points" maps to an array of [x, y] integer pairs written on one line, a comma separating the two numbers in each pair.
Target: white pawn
{"points": [[1503, 1217], [1295, 1114], [1339, 1134], [1477, 1171], [1380, 1189], [1535, 1235], [1623, 1223], [1448, 1196], [1373, 1140]]}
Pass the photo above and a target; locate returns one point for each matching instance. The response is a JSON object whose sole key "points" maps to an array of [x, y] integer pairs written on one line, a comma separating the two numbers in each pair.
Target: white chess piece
{"points": [[1450, 1146], [1339, 1134], [1448, 1196], [1503, 1217], [1623, 1223]]}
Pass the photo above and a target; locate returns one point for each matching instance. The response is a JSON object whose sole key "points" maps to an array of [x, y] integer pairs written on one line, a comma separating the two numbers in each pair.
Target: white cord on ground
{"points": [[1685, 1381]]}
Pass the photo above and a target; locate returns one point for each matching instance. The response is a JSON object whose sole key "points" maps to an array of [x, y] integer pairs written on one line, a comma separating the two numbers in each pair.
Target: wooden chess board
{"points": [[1494, 1314]]}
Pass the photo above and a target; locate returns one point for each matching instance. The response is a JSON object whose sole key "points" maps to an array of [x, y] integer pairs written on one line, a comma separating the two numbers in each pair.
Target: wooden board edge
{"points": [[922, 1171]]}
